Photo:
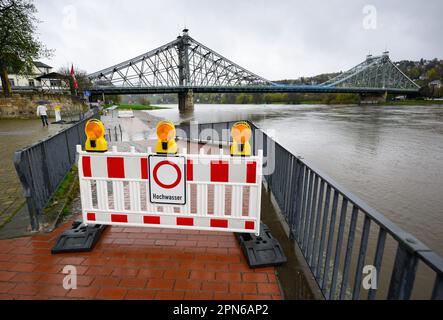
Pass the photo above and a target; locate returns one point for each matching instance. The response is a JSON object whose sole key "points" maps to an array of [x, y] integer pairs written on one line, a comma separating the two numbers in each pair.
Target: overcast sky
{"points": [[275, 39]]}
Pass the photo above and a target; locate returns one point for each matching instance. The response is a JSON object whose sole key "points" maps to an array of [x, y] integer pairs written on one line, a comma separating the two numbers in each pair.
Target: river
{"points": [[390, 156]]}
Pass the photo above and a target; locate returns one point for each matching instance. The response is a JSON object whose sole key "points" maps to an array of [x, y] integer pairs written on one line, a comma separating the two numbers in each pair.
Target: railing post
{"points": [[45, 168], [361, 257], [290, 183], [67, 145], [78, 134], [403, 274], [378, 258], [437, 292], [293, 200], [21, 167], [297, 198], [321, 245]]}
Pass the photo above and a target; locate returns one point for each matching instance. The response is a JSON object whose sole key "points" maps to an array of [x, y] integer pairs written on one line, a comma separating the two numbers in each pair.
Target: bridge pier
{"points": [[186, 101], [373, 98]]}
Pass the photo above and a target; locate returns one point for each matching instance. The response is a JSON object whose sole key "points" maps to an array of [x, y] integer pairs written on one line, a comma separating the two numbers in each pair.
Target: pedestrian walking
{"points": [[42, 112]]}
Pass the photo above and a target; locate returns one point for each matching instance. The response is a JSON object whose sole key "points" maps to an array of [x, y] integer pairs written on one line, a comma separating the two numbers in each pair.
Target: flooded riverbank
{"points": [[390, 156]]}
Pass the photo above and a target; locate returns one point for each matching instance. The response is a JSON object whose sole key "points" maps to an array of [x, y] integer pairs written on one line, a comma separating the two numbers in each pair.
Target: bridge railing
{"points": [[42, 166], [352, 250]]}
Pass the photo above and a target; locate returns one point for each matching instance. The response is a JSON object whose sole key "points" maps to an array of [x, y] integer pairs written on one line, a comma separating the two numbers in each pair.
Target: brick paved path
{"points": [[135, 263]]}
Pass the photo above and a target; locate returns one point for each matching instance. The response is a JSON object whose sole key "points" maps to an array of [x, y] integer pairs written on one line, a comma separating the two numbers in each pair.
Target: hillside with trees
{"points": [[424, 73]]}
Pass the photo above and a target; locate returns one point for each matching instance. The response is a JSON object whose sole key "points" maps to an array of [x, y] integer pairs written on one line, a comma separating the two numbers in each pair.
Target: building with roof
{"points": [[53, 81], [436, 83], [42, 78]]}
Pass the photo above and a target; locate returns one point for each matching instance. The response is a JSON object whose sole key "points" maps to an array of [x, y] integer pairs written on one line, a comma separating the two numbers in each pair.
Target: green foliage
{"points": [[340, 98], [243, 98], [145, 102], [278, 98], [137, 107], [275, 98], [65, 184], [58, 205], [423, 71], [432, 74], [414, 72], [19, 46], [80, 75], [228, 98]]}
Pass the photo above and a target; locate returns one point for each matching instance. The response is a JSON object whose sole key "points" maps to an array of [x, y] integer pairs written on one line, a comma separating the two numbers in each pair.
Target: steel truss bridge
{"points": [[185, 65]]}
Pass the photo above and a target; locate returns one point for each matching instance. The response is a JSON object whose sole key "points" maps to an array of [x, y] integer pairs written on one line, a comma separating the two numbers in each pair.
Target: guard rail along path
{"points": [[337, 233], [42, 166]]}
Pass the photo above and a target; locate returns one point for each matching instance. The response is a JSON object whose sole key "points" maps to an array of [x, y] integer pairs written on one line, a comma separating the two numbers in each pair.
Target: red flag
{"points": [[73, 77]]}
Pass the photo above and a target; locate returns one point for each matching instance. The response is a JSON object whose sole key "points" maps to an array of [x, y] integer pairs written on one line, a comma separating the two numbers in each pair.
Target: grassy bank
{"points": [[123, 106], [58, 206]]}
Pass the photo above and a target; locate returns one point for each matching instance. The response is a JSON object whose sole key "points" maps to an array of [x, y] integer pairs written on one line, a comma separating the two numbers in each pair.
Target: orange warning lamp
{"points": [[166, 138], [95, 136], [241, 133]]}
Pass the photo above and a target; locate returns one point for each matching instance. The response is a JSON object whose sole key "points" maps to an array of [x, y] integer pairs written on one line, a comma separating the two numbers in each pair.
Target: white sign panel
{"points": [[167, 180]]}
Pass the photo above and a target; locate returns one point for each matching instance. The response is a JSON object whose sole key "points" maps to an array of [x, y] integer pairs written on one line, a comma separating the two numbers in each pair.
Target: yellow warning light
{"points": [[95, 136], [166, 137], [241, 133]]}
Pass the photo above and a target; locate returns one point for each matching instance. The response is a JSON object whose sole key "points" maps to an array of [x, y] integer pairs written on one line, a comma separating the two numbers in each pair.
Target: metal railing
{"points": [[328, 222], [113, 134], [42, 166]]}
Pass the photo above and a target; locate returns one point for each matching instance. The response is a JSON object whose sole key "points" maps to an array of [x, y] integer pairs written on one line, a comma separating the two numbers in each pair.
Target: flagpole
{"points": [[74, 80]]}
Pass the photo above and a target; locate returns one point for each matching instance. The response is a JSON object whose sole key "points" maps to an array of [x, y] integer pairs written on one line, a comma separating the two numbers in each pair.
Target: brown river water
{"points": [[390, 156]]}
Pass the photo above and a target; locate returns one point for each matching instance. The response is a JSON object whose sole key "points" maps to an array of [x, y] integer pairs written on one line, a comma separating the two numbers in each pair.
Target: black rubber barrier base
{"points": [[261, 251], [79, 238]]}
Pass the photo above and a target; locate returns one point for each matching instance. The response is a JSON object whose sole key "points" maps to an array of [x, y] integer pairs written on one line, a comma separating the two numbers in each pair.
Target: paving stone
{"points": [[135, 263]]}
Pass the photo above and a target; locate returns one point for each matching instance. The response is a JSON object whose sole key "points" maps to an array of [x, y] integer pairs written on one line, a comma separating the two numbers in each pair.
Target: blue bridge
{"points": [[185, 66]]}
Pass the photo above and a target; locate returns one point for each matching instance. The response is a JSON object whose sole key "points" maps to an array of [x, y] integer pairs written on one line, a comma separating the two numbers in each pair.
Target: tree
{"points": [[432, 74], [80, 75], [257, 98], [414, 73], [293, 98], [18, 45], [144, 101], [228, 98], [243, 98]]}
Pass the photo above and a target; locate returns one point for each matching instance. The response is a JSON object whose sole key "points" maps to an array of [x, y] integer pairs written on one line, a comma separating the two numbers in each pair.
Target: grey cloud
{"points": [[275, 39]]}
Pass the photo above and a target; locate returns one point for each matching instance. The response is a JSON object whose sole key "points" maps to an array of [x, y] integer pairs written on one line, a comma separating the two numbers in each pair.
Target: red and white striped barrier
{"points": [[221, 193]]}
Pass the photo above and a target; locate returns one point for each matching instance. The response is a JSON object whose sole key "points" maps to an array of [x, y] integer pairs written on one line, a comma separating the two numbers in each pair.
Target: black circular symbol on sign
{"points": [[177, 169]]}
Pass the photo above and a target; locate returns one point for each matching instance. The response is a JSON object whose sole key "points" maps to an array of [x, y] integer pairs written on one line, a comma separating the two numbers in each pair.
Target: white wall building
{"points": [[39, 69], [42, 78]]}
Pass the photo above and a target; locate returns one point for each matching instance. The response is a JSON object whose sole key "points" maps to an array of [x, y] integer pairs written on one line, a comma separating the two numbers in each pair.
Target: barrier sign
{"points": [[214, 192], [168, 179]]}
